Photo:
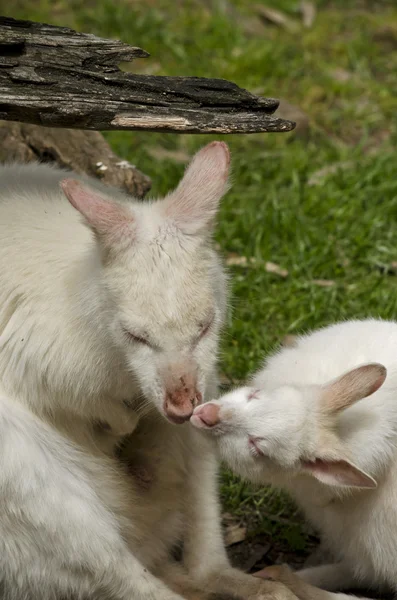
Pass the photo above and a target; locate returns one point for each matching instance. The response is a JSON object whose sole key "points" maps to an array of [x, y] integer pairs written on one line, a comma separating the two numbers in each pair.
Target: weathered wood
{"points": [[56, 77], [82, 151]]}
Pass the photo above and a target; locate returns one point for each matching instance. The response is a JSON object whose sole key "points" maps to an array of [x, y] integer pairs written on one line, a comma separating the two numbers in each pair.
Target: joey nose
{"points": [[206, 415]]}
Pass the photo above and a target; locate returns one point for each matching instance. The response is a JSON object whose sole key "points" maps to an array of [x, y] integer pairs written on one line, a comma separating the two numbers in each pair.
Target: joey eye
{"points": [[253, 445], [254, 394]]}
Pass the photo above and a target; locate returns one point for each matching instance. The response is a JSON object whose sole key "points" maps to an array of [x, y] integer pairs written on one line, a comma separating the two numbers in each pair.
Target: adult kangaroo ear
{"points": [[113, 223], [194, 204], [352, 387]]}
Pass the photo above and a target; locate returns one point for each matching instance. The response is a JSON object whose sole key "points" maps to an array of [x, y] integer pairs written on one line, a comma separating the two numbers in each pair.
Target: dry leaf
{"points": [[276, 269], [324, 282], [319, 176], [228, 518], [236, 260], [308, 11], [234, 534], [255, 557], [159, 153], [341, 75], [276, 17]]}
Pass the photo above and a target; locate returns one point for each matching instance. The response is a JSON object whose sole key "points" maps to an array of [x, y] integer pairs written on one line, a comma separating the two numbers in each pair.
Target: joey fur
{"points": [[320, 421]]}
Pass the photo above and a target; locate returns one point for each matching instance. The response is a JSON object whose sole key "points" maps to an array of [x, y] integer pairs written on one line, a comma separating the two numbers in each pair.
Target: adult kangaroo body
{"points": [[110, 312]]}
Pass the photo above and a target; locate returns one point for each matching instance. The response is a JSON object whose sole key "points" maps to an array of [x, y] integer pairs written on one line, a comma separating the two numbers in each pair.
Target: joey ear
{"points": [[341, 473], [194, 203], [352, 387], [111, 222]]}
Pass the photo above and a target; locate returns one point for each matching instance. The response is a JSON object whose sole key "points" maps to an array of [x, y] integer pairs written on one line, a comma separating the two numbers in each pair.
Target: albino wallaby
{"points": [[122, 304], [108, 318], [306, 424]]}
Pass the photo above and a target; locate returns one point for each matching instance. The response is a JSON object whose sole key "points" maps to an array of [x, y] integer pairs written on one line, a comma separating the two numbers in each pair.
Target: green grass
{"points": [[343, 73]]}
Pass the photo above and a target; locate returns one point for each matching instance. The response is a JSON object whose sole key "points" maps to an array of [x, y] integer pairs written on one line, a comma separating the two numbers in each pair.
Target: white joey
{"points": [[320, 421]]}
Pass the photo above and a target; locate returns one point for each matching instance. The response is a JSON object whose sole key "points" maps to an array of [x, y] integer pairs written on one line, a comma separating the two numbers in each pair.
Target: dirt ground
{"points": [[256, 553]]}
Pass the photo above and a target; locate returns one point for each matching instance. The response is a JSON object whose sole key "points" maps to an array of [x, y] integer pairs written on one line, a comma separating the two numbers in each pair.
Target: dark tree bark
{"points": [[56, 77]]}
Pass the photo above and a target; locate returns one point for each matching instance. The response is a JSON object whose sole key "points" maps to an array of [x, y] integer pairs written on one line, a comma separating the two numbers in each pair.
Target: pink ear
{"points": [[338, 473], [353, 386], [194, 203], [110, 220]]}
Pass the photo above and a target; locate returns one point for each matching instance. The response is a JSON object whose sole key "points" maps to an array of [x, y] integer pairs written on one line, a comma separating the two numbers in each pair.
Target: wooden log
{"points": [[55, 77], [81, 151]]}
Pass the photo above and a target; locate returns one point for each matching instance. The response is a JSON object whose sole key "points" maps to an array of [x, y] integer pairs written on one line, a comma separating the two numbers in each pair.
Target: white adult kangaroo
{"points": [[110, 311]]}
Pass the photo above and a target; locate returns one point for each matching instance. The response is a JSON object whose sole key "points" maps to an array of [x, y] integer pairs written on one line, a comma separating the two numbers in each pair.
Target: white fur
{"points": [[273, 430], [62, 309], [65, 518], [81, 297]]}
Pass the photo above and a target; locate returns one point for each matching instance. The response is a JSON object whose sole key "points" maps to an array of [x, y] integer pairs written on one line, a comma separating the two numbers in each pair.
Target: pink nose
{"points": [[206, 415], [179, 404]]}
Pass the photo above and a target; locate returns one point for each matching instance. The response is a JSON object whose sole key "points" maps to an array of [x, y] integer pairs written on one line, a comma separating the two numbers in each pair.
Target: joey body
{"points": [[320, 420]]}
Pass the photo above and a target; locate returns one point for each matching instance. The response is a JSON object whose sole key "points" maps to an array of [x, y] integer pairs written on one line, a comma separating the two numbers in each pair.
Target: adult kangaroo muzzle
{"points": [[181, 392]]}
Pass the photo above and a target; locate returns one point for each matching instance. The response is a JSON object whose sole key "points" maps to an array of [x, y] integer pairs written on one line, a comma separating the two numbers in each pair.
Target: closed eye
{"points": [[205, 329], [138, 339], [253, 445], [254, 394]]}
